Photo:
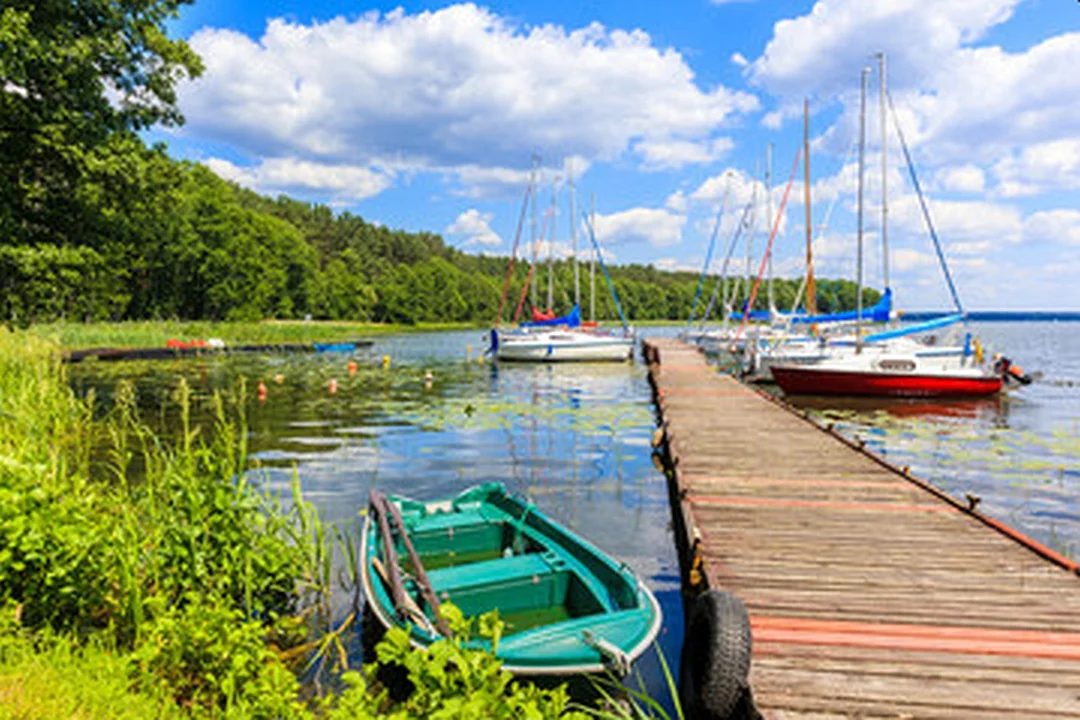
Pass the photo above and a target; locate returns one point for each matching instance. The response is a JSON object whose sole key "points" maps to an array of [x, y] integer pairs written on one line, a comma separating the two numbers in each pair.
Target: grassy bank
{"points": [[77, 336]]}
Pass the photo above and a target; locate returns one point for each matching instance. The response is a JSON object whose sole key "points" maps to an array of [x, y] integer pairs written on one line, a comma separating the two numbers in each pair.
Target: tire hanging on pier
{"points": [[713, 677]]}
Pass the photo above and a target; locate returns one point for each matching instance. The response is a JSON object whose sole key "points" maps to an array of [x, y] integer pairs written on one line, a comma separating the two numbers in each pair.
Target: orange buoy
{"points": [[261, 390], [332, 385], [352, 367]]}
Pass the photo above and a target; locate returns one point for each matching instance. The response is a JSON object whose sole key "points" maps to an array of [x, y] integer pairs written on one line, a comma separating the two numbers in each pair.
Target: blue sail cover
{"points": [[571, 319], [877, 313], [754, 315], [918, 328]]}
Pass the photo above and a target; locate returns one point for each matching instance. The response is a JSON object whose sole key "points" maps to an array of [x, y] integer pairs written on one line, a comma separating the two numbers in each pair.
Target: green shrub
{"points": [[211, 659], [448, 681]]}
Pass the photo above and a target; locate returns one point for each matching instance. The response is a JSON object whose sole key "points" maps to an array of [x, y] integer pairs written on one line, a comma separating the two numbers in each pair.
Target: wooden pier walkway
{"points": [[871, 595]]}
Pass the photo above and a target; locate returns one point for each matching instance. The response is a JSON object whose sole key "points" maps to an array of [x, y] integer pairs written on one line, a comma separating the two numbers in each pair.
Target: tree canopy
{"points": [[77, 78]]}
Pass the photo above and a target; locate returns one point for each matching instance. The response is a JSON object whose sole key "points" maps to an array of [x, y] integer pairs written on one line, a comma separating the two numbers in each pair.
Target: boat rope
{"points": [[736, 234], [524, 292], [614, 658], [513, 255], [708, 255], [768, 248], [532, 270], [603, 266], [925, 208], [519, 526]]}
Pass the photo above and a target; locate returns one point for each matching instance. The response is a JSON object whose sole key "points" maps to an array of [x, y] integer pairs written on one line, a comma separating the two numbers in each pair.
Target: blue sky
{"points": [[426, 116]]}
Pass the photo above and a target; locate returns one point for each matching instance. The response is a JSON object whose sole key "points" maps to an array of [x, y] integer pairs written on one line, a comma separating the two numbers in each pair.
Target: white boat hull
{"points": [[563, 347]]}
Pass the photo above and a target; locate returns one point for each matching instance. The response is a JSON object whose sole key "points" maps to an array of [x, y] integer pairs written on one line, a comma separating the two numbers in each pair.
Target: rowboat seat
{"points": [[519, 584]]}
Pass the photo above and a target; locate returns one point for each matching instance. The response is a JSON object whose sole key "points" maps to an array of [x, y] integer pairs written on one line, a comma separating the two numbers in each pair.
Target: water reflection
{"points": [[992, 411]]}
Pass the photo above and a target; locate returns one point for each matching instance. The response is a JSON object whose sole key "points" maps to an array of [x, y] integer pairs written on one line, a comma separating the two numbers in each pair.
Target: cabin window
{"points": [[897, 365]]}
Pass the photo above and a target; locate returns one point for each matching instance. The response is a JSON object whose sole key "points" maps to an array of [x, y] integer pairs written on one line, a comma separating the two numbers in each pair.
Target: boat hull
{"points": [[816, 381], [557, 349], [486, 550]]}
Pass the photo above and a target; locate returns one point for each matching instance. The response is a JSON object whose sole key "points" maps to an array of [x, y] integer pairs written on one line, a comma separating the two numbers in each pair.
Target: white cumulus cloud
{"points": [[338, 183], [655, 226], [674, 154], [1040, 167], [820, 53], [476, 227], [459, 86], [961, 178], [1058, 226]]}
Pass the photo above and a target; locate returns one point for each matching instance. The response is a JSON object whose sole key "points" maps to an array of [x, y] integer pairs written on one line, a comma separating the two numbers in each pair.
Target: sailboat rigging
{"points": [[548, 338]]}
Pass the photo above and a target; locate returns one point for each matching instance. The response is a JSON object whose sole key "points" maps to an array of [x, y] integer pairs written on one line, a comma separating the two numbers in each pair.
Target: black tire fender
{"points": [[715, 666]]}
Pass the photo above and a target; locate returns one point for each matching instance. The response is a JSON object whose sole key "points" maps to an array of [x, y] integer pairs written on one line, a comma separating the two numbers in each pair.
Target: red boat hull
{"points": [[809, 381]]}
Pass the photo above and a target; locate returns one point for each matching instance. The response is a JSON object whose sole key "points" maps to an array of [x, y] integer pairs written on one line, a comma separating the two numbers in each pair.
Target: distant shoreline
{"points": [[1000, 315]]}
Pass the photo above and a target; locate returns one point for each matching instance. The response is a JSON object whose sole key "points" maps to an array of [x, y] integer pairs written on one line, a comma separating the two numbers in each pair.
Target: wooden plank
{"points": [[871, 594]]}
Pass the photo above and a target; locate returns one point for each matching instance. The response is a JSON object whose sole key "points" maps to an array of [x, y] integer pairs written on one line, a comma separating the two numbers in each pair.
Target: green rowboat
{"points": [[568, 608]]}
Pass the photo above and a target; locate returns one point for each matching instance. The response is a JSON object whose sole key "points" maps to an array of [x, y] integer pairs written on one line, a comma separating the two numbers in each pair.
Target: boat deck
{"points": [[871, 594]]}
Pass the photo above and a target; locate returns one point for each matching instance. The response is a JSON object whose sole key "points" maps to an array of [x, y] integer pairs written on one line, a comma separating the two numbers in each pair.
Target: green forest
{"points": [[97, 225]]}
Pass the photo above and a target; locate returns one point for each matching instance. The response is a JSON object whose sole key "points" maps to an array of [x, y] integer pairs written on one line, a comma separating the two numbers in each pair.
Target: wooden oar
{"points": [[393, 572], [411, 608], [421, 575]]}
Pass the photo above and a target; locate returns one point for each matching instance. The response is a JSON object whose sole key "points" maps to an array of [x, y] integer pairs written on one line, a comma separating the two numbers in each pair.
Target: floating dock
{"points": [[871, 593]]}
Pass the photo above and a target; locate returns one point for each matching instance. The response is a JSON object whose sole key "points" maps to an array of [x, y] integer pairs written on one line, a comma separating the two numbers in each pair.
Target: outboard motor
{"points": [[494, 347], [1011, 373]]}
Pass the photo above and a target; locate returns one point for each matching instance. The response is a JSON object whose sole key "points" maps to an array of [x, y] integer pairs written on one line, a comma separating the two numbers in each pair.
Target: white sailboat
{"points": [[563, 339]]}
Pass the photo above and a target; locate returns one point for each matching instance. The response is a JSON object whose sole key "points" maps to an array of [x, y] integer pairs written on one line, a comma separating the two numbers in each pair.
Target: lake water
{"points": [[575, 438]]}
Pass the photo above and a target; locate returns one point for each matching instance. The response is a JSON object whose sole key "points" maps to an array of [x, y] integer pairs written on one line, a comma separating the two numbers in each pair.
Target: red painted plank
{"points": [[919, 638]]}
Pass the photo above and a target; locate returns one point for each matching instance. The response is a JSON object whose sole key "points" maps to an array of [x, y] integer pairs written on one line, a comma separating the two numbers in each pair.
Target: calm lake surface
{"points": [[575, 438]]}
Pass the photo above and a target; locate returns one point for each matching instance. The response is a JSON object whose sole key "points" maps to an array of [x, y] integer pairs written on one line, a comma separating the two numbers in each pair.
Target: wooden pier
{"points": [[871, 594]]}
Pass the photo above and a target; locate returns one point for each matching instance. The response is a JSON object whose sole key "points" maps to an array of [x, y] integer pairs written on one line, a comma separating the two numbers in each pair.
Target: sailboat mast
{"points": [[884, 170], [573, 234], [551, 245], [592, 261], [811, 291], [769, 210], [750, 235], [532, 222], [859, 255]]}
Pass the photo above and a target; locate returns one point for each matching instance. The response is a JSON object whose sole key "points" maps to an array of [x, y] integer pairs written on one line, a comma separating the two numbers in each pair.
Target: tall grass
{"points": [[164, 550]]}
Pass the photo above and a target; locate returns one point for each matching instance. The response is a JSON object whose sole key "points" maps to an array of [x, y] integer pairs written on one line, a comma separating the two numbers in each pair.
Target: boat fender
{"points": [[1010, 372], [615, 659], [714, 673], [1017, 374]]}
